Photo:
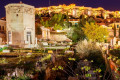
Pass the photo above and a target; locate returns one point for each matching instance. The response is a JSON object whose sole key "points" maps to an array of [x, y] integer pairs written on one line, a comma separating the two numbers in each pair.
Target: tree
{"points": [[45, 23], [114, 30], [111, 15], [95, 32], [37, 16], [57, 21], [57, 27], [119, 32], [38, 30], [76, 33], [66, 23]]}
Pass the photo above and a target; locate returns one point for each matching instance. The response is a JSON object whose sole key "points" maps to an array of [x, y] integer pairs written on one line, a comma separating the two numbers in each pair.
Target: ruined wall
{"points": [[58, 37]]}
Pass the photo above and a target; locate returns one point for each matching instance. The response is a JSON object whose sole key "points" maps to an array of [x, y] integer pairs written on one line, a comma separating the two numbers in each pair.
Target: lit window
{"points": [[117, 26], [29, 37]]}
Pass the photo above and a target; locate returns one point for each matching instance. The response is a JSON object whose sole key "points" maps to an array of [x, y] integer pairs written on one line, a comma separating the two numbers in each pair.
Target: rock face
{"points": [[20, 22]]}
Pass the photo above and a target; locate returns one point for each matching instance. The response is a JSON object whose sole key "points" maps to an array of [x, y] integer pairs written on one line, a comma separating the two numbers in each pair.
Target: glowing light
{"points": [[58, 30]]}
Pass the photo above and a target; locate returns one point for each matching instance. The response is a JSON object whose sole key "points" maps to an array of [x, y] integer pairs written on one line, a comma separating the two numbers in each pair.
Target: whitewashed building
{"points": [[20, 21]]}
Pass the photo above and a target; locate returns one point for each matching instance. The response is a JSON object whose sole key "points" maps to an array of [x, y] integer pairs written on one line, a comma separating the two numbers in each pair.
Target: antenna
{"points": [[49, 2]]}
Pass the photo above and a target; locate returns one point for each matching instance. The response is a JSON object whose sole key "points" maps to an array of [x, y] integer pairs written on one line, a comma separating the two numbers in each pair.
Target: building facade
{"points": [[20, 21], [2, 31]]}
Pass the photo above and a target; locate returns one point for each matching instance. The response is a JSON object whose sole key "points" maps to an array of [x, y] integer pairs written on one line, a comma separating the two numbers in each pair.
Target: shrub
{"points": [[91, 51], [3, 61], [84, 48], [118, 61], [115, 52], [47, 57]]}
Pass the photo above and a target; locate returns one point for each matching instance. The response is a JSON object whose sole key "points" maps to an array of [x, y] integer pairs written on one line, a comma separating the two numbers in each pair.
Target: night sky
{"points": [[107, 4]]}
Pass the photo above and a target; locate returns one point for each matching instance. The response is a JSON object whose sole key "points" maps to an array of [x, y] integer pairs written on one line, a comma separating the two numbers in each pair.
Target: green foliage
{"points": [[47, 57], [90, 20], [72, 59], [38, 30], [89, 51], [57, 27], [118, 61], [6, 48], [115, 58], [118, 77], [57, 68], [38, 16], [77, 33], [110, 57], [54, 68], [56, 21], [95, 32], [3, 61], [60, 67], [99, 61], [87, 68], [97, 70], [91, 61], [1, 49], [45, 23], [88, 75]]}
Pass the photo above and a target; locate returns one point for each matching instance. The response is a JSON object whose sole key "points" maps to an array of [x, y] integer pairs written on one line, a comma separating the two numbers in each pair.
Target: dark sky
{"points": [[107, 4]]}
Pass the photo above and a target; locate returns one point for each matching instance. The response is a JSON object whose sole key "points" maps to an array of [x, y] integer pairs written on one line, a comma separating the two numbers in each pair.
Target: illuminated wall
{"points": [[3, 30], [76, 11], [20, 20]]}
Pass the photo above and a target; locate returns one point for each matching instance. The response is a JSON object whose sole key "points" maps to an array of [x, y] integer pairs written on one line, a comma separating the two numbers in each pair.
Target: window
{"points": [[16, 14], [0, 27], [9, 37], [3, 28], [29, 37], [117, 26], [76, 23]]}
